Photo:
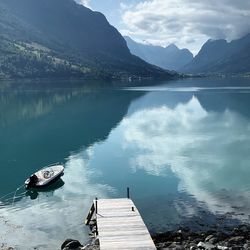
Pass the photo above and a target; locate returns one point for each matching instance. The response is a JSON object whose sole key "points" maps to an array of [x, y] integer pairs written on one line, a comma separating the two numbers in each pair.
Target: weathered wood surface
{"points": [[119, 227]]}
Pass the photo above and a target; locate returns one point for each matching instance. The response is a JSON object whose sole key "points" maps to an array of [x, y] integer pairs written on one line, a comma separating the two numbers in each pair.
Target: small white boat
{"points": [[45, 176]]}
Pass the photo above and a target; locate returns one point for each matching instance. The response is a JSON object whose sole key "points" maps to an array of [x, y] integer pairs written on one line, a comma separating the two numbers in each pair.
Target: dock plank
{"points": [[119, 227]]}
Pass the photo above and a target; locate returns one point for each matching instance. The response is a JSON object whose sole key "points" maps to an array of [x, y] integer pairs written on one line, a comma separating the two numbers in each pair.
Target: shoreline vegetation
{"points": [[122, 79], [107, 78]]}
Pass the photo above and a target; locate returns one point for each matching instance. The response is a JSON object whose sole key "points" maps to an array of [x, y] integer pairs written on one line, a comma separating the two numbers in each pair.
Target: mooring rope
{"points": [[7, 195], [16, 192], [20, 195], [13, 192]]}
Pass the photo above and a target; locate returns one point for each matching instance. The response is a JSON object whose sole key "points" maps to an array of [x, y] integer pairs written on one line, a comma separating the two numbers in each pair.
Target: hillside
{"points": [[219, 56], [170, 57], [59, 38]]}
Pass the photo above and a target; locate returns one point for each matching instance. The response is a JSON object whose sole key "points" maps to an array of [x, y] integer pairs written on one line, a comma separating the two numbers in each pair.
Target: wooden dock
{"points": [[118, 225]]}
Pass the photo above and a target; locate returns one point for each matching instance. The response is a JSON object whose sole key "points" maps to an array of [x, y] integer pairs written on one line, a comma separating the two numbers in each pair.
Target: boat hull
{"points": [[45, 177]]}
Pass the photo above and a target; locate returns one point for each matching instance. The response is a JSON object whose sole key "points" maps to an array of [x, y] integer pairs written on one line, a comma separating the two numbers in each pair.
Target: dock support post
{"points": [[128, 194], [96, 205], [96, 199]]}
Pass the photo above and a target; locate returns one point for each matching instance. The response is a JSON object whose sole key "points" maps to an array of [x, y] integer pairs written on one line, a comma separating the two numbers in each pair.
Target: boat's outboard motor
{"points": [[32, 181]]}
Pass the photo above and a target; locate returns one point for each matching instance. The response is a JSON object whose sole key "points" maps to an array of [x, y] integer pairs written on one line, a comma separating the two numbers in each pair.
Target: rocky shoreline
{"points": [[235, 238], [230, 239]]}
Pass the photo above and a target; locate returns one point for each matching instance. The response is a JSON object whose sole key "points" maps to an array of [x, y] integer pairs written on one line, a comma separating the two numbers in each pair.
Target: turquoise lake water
{"points": [[183, 148]]}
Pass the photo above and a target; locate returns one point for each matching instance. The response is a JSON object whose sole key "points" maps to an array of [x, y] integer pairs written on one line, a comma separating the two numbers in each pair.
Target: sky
{"points": [[186, 23]]}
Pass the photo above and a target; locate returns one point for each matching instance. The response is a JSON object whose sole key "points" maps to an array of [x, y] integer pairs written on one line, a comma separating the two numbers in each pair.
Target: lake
{"points": [[181, 146]]}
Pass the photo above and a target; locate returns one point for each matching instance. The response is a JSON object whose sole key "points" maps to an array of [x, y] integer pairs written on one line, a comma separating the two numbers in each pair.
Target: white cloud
{"points": [[85, 3], [207, 151], [187, 23]]}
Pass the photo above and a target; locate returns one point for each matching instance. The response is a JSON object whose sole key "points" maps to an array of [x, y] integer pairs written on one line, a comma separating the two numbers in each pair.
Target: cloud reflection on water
{"points": [[207, 151]]}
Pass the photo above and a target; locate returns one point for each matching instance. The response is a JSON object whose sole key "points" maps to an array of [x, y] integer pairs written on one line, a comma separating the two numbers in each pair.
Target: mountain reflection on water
{"points": [[182, 151]]}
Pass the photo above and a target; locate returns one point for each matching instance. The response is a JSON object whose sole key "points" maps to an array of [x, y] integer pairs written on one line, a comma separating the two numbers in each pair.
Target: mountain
{"points": [[60, 38], [170, 57], [220, 56]]}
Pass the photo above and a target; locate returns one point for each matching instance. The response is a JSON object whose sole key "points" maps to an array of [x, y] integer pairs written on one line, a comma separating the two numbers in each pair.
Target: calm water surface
{"points": [[182, 147]]}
